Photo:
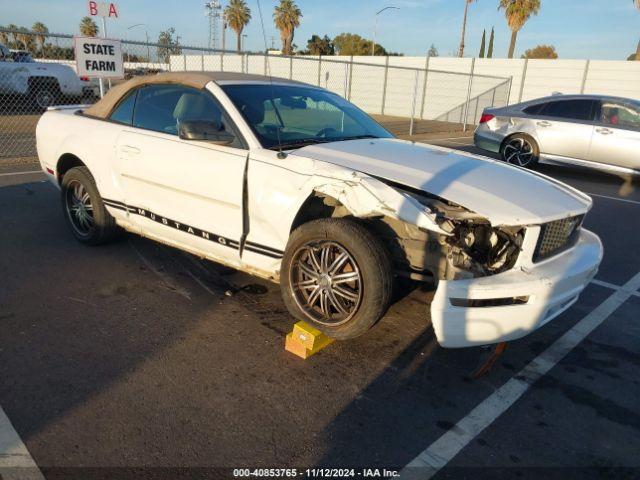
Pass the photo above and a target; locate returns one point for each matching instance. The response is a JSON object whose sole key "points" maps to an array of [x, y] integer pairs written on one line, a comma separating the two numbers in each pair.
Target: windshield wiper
{"points": [[355, 137], [314, 141], [298, 143]]}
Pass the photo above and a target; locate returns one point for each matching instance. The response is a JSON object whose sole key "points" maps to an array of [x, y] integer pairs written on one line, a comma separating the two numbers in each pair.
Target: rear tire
{"points": [[337, 276], [84, 210], [44, 93], [520, 150]]}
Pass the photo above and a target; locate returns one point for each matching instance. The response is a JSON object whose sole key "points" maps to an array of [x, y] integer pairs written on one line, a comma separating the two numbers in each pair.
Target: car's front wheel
{"points": [[336, 275], [84, 210], [520, 150]]}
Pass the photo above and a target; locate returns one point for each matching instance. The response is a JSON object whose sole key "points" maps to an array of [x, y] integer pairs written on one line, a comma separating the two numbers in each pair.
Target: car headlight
{"points": [[473, 244]]}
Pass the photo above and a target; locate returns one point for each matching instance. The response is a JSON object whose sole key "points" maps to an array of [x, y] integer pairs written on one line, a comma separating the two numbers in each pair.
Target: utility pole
{"points": [[224, 35], [375, 27]]}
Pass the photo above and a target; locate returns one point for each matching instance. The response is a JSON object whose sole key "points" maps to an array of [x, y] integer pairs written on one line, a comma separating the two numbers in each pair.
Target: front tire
{"points": [[521, 150], [84, 210], [337, 276]]}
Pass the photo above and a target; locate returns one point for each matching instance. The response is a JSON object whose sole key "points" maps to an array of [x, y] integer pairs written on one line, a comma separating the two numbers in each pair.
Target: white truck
{"points": [[41, 84], [293, 183]]}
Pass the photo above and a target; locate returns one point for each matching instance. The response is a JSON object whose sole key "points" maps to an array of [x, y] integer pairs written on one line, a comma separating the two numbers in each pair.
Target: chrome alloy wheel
{"points": [[326, 282], [79, 208], [518, 151]]}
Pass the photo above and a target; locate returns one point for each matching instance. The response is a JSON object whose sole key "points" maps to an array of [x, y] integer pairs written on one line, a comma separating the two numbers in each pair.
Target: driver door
{"points": [[185, 192]]}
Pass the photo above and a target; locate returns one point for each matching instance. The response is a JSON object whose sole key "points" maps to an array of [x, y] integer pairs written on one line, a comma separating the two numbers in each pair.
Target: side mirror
{"points": [[205, 131]]}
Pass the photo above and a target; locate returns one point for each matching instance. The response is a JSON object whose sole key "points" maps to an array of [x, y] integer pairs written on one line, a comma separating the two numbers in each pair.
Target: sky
{"points": [[580, 29]]}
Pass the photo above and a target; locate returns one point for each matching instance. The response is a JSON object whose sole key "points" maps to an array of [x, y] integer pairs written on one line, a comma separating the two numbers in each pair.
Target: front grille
{"points": [[556, 236]]}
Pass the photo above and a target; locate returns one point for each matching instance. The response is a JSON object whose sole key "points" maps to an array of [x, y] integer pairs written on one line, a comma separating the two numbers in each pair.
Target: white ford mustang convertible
{"points": [[293, 183]]}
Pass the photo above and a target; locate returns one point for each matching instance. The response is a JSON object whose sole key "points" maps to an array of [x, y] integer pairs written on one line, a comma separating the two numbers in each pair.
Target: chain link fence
{"points": [[39, 70]]}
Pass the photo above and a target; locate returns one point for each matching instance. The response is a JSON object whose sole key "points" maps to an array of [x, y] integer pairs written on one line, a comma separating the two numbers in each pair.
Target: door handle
{"points": [[604, 131], [129, 150], [544, 123]]}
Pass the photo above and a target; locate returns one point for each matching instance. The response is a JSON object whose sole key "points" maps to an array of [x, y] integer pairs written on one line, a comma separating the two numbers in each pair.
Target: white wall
{"points": [[447, 80]]}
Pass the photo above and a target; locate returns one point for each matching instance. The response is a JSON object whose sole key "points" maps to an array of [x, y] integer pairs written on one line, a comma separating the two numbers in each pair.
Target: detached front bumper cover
{"points": [[512, 304]]}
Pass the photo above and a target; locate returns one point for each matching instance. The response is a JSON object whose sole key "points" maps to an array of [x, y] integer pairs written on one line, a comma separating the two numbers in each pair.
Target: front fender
{"points": [[366, 197]]}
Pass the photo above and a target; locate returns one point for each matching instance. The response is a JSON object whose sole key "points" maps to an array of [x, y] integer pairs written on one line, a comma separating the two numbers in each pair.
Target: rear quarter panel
{"points": [[61, 132]]}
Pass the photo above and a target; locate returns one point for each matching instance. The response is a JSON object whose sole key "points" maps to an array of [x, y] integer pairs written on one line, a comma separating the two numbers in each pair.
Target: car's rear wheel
{"points": [[520, 150], [84, 210], [44, 93], [337, 276]]}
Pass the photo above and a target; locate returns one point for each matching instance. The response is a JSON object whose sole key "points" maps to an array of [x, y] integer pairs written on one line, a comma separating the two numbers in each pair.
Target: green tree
{"points": [[237, 16], [317, 45], [464, 27], [353, 44], [517, 13], [433, 51], [167, 45], [25, 40], [482, 43], [57, 53], [541, 51], [490, 50], [287, 17], [41, 31], [88, 27]]}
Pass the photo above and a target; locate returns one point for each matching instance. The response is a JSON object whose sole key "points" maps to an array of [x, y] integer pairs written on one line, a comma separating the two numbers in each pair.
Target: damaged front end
{"points": [[429, 237], [470, 246]]}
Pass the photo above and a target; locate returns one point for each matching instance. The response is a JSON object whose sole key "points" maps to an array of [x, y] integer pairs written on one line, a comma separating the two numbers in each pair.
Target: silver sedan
{"points": [[586, 130]]}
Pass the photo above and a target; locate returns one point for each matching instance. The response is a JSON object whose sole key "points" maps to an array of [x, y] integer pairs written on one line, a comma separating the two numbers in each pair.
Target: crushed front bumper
{"points": [[549, 288]]}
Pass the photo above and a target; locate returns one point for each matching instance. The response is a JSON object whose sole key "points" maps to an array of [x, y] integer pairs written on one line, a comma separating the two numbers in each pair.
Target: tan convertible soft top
{"points": [[103, 108]]}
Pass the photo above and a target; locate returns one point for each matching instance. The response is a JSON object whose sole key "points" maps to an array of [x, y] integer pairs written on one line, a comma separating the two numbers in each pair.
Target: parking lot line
{"points": [[634, 202], [612, 286], [442, 451], [31, 172], [15, 460]]}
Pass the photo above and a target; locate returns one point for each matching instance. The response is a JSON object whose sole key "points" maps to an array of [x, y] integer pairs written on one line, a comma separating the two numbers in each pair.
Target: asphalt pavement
{"points": [[135, 360]]}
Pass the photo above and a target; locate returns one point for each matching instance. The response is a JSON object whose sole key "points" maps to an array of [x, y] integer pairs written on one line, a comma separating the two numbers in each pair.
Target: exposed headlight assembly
{"points": [[473, 244]]}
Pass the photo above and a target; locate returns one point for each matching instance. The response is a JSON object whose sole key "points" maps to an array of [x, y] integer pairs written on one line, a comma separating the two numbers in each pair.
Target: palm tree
{"points": [[464, 27], [88, 27], [41, 30], [287, 17], [517, 13], [637, 4], [237, 16], [25, 41]]}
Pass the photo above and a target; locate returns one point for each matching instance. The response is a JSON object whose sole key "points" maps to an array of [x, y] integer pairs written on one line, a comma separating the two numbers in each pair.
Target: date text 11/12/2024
{"points": [[315, 472]]}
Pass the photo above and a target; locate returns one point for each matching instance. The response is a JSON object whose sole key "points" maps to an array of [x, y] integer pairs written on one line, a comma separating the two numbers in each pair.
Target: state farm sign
{"points": [[98, 57], [103, 9]]}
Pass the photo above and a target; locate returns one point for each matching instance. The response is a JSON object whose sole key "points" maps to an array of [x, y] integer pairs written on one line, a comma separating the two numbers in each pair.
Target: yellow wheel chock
{"points": [[305, 340]]}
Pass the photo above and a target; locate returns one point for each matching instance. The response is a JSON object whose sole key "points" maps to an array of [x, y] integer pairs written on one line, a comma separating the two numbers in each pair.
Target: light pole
{"points": [[224, 34], [146, 34], [375, 27]]}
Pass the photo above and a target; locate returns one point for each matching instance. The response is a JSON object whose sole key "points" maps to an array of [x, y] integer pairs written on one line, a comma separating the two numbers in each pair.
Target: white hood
{"points": [[502, 193]]}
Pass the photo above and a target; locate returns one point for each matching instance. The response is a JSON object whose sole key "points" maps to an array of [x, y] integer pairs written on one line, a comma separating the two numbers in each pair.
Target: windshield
{"points": [[291, 116]]}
